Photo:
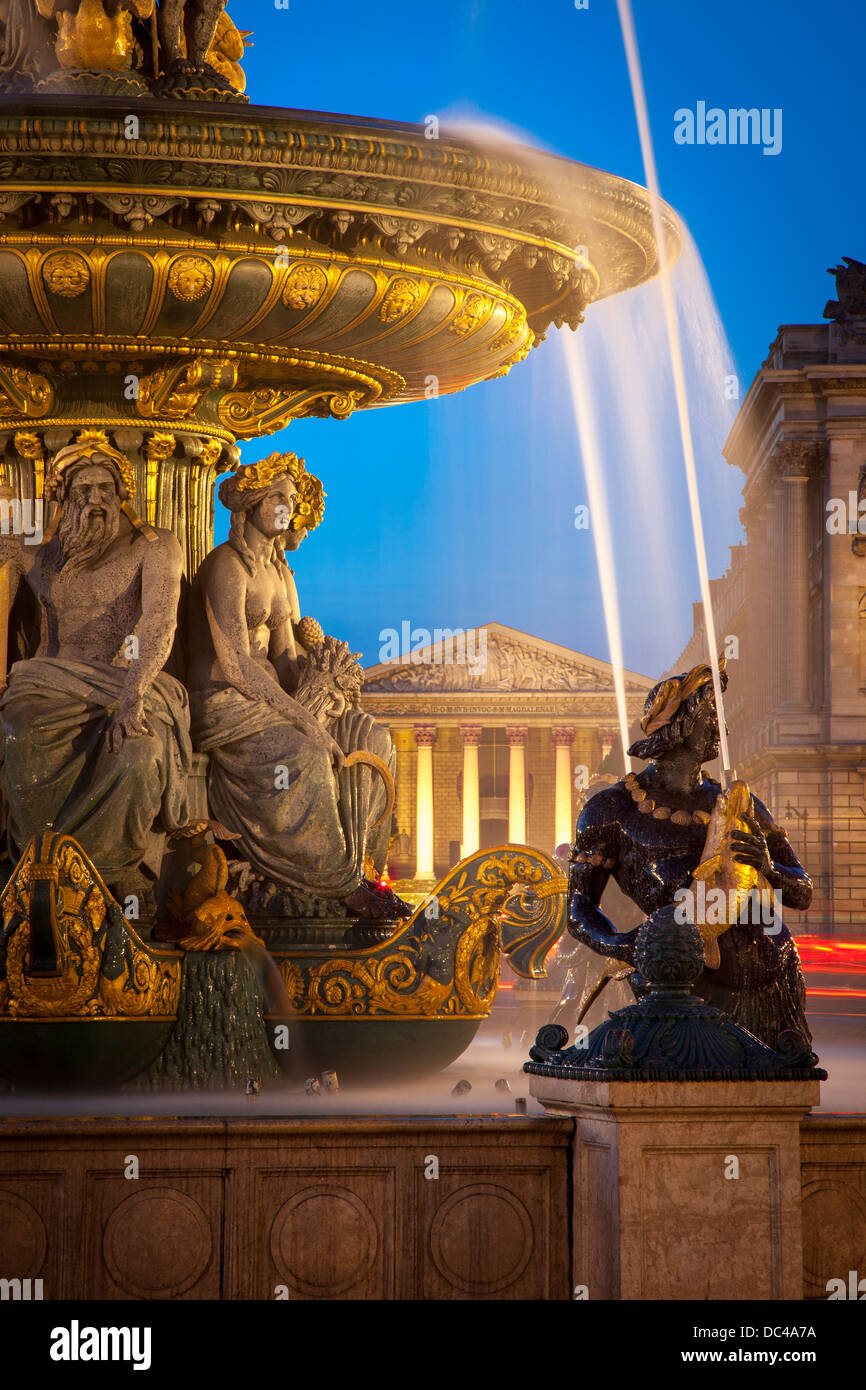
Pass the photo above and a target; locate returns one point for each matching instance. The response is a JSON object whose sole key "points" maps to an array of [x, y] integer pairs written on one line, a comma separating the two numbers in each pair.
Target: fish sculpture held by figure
{"points": [[722, 873]]}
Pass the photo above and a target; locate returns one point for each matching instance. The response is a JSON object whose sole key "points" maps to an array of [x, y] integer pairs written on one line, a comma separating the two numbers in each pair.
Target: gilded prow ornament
{"points": [[203, 916], [442, 966], [71, 960]]}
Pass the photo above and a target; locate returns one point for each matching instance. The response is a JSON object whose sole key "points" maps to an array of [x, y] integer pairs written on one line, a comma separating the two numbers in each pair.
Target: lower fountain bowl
{"points": [[372, 1050], [78, 1054]]}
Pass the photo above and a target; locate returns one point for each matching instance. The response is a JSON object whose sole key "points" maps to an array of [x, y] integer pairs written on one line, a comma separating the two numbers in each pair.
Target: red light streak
{"points": [[836, 993]]}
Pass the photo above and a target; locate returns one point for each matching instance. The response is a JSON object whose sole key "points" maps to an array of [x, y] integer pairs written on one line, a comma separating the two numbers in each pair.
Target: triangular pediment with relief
{"points": [[491, 658]]}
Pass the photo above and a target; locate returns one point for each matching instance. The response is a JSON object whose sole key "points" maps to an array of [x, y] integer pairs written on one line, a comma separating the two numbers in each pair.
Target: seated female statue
{"points": [[278, 722]]}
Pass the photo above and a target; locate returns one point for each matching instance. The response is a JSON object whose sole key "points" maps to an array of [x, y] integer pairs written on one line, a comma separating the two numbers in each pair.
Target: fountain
{"points": [[181, 271]]}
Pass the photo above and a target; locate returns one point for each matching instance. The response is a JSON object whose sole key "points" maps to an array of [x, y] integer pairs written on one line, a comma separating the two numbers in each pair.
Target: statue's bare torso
{"points": [[264, 605], [91, 612]]}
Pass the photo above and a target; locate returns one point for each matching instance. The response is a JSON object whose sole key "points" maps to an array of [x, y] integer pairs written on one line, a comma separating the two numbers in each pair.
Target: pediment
{"points": [[491, 658]]}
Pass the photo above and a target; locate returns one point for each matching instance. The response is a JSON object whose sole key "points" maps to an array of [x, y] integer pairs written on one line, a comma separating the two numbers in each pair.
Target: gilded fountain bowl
{"points": [[287, 263]]}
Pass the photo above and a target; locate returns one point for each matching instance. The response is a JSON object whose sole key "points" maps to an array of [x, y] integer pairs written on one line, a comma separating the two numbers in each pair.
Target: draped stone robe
{"points": [[56, 769], [299, 823]]}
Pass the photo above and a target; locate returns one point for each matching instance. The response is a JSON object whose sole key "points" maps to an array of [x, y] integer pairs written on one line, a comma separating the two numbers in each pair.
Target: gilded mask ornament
{"points": [[401, 297], [305, 287], [66, 274], [474, 309], [190, 278]]}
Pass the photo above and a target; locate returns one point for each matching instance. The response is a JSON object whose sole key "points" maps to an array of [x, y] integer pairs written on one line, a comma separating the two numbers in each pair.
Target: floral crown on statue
{"points": [[258, 477]]}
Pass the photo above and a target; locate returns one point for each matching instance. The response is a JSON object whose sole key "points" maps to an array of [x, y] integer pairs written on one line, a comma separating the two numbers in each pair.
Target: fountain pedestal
{"points": [[686, 1159], [685, 1190]]}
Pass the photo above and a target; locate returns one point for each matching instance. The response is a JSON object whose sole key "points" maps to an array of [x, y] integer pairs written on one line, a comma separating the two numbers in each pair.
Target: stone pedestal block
{"points": [[685, 1190]]}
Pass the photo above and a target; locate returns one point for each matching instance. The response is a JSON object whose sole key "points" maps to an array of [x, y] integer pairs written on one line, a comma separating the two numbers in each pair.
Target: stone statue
{"points": [[650, 832], [851, 288], [190, 25], [95, 733], [25, 40], [281, 724], [186, 48]]}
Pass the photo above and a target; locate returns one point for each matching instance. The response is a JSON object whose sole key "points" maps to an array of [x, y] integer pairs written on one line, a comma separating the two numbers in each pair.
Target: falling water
{"points": [[677, 362], [617, 369], [600, 521], [612, 386]]}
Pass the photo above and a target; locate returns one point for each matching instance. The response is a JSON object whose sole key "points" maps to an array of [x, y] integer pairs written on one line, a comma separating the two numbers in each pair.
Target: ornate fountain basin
{"points": [[233, 268], [84, 1001], [410, 1004]]}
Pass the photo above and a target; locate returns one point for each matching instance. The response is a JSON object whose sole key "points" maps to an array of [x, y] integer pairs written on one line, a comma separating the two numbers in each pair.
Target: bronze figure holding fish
{"points": [[670, 835]]}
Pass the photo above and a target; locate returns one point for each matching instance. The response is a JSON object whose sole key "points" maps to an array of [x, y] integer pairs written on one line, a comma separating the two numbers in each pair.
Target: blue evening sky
{"points": [[459, 511]]}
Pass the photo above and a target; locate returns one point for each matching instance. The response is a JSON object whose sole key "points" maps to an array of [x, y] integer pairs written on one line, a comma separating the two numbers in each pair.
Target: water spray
{"points": [[599, 511], [629, 36]]}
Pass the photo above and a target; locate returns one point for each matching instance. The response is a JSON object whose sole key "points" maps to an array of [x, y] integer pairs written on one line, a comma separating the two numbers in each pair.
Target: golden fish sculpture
{"points": [[719, 870]]}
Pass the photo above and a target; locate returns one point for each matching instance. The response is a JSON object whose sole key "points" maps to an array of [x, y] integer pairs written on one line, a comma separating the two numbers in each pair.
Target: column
{"points": [[424, 736], [517, 785], [792, 464], [608, 738], [471, 734], [401, 852], [795, 588], [563, 826]]}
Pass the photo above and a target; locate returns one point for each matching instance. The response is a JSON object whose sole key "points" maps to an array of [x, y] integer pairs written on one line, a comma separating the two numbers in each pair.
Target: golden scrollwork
{"points": [[305, 286], [104, 969], [23, 393], [399, 299], [190, 278], [342, 403], [175, 392], [265, 409], [509, 899], [66, 274], [260, 411]]}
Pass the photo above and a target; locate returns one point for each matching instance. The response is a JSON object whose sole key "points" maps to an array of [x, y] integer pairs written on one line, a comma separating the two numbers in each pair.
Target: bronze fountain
{"points": [[181, 271]]}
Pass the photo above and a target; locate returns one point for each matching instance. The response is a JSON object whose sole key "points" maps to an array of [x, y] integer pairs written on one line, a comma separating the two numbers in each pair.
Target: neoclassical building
{"points": [[494, 730], [794, 598]]}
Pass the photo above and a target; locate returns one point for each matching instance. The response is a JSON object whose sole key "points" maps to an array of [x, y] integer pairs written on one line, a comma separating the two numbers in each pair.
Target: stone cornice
{"points": [[787, 757], [751, 432], [540, 707]]}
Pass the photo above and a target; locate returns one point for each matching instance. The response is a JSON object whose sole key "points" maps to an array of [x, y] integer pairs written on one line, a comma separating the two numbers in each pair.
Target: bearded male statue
{"points": [[95, 735]]}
